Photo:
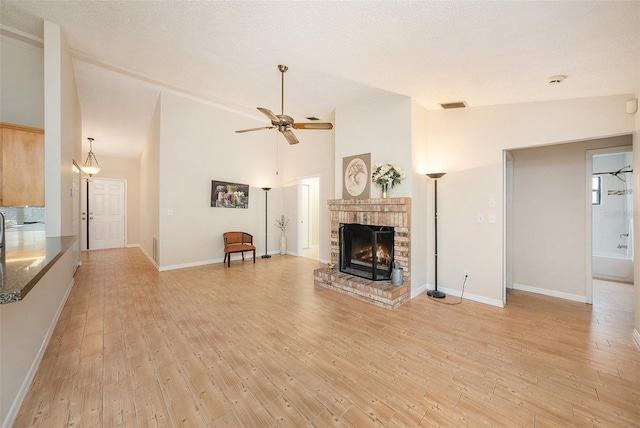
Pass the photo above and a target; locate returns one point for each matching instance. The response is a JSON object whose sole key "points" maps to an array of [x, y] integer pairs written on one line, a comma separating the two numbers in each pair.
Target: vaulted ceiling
{"points": [[338, 53]]}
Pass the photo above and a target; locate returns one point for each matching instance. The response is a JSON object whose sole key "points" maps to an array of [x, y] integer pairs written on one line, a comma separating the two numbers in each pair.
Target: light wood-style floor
{"points": [[260, 345]]}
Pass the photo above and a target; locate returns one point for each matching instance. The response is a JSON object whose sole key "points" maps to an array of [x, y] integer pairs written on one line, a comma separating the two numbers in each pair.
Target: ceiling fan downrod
{"points": [[283, 69]]}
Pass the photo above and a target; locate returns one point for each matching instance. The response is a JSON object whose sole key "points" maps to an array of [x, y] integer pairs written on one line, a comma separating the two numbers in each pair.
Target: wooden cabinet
{"points": [[22, 163]]}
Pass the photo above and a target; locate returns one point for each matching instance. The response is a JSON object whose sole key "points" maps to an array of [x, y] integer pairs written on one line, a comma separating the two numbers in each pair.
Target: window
{"points": [[596, 190]]}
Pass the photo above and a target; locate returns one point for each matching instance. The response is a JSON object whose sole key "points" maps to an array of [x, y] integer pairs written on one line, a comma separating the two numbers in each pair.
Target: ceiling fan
{"points": [[283, 122]]}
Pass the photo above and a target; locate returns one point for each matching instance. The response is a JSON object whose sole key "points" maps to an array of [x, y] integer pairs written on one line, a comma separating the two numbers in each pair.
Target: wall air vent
{"points": [[457, 104]]}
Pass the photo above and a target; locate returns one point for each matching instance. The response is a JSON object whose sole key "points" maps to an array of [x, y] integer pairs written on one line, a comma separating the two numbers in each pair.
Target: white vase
{"points": [[283, 243]]}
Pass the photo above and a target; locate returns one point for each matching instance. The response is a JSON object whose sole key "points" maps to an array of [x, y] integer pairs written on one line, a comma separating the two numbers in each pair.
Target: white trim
{"points": [[26, 383], [474, 297], [153, 262], [133, 246], [636, 336], [589, 227], [551, 293], [163, 86], [211, 261], [21, 35], [191, 264], [415, 292]]}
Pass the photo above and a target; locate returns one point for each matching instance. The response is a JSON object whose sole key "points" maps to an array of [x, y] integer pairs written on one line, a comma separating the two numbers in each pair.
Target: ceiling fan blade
{"points": [[254, 129], [272, 117], [313, 125], [289, 135]]}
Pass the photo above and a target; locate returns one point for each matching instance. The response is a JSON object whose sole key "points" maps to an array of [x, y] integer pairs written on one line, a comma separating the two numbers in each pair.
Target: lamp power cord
{"points": [[452, 303]]}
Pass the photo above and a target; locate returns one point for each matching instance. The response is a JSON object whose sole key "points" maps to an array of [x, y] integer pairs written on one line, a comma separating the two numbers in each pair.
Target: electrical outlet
{"points": [[467, 273]]}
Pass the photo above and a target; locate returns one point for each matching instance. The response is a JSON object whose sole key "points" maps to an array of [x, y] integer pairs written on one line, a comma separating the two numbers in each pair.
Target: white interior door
{"points": [[106, 216]]}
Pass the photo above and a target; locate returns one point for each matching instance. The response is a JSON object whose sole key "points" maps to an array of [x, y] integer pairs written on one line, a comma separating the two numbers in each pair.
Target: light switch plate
{"points": [[492, 202], [492, 218], [480, 218]]}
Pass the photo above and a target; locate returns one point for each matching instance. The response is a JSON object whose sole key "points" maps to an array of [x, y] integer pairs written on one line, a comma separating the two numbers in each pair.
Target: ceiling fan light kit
{"points": [[283, 122]]}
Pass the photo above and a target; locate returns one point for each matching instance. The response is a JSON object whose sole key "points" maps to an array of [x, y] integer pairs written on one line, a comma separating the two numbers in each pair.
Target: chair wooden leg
{"points": [[228, 259], [254, 256]]}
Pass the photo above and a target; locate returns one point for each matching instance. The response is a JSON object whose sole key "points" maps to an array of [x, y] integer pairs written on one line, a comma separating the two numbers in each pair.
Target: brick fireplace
{"points": [[393, 212]]}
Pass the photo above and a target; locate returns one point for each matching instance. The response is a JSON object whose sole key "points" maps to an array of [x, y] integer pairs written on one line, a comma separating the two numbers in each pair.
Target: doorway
{"points": [[507, 232], [309, 217], [548, 209], [105, 214], [609, 216]]}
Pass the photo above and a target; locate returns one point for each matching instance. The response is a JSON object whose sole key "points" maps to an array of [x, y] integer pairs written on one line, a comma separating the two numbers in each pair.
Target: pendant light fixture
{"points": [[91, 165]]}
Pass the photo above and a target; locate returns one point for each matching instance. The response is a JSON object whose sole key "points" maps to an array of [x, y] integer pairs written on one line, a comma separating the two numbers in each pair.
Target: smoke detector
{"points": [[554, 80]]}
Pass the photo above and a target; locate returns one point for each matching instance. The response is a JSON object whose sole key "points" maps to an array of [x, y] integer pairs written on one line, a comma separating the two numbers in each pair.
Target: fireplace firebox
{"points": [[366, 251]]}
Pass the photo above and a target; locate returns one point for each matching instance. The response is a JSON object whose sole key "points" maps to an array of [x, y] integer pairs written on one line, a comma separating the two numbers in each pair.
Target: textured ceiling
{"points": [[338, 53]]}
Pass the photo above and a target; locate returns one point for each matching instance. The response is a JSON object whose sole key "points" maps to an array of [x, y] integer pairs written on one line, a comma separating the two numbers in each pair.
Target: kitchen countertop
{"points": [[27, 257]]}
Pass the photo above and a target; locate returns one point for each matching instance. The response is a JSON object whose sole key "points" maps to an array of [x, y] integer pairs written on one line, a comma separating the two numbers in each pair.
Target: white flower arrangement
{"points": [[282, 223], [387, 176]]}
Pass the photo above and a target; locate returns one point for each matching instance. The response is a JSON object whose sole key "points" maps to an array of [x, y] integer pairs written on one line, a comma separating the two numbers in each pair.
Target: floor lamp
{"points": [[435, 176], [266, 224]]}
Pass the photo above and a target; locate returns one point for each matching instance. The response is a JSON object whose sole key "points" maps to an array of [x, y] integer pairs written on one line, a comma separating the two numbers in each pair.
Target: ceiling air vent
{"points": [[312, 118], [457, 104]]}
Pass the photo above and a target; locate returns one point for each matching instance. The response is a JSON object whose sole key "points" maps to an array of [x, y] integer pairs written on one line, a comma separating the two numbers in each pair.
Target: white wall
{"points": [[468, 145], [198, 144], [313, 156], [422, 245], [549, 223], [150, 186], [395, 131], [22, 82], [62, 132], [382, 129], [27, 326]]}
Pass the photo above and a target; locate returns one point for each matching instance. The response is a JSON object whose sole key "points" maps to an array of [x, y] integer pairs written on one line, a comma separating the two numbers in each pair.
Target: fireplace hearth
{"points": [[366, 251], [392, 214]]}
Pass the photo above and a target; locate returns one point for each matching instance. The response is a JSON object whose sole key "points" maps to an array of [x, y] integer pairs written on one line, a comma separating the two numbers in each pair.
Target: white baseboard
{"points": [[469, 296], [235, 257], [153, 262], [636, 336], [26, 384], [133, 245], [193, 264], [415, 292], [551, 293]]}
